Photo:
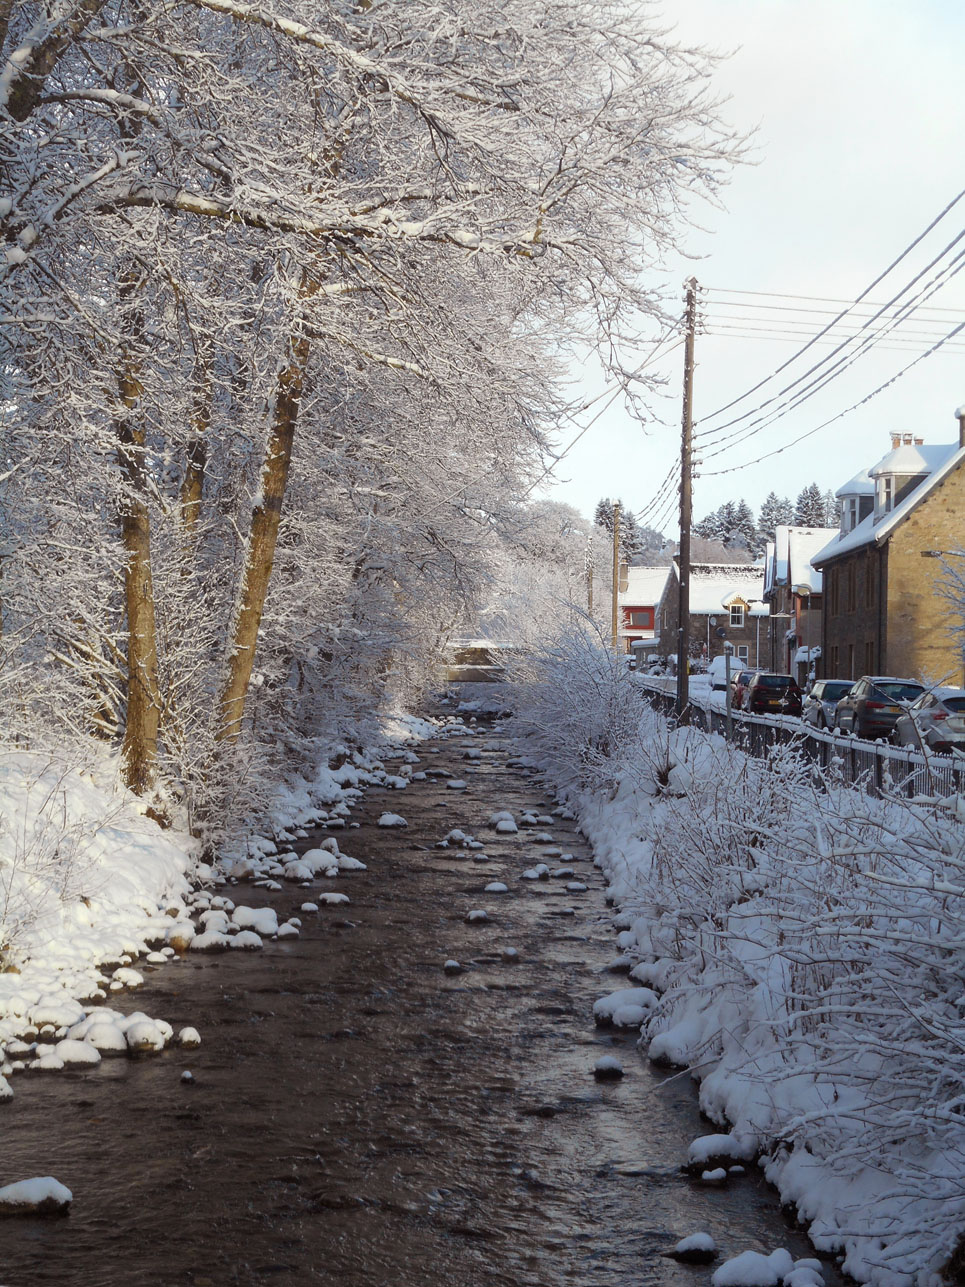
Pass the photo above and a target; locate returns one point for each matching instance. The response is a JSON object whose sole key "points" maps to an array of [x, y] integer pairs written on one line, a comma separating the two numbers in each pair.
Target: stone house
{"points": [[726, 606], [883, 610], [793, 591]]}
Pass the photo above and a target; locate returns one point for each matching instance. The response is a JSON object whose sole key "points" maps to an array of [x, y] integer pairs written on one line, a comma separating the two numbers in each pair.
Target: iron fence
{"points": [[875, 767]]}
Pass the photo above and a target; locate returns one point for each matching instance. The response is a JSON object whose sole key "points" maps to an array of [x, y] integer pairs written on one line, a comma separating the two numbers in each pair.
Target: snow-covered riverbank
{"points": [[804, 942], [91, 887]]}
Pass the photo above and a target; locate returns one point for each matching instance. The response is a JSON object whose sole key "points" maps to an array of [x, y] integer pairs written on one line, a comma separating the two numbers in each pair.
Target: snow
{"points": [[752, 1269], [41, 1192], [798, 940], [263, 920], [496, 887], [392, 820], [696, 1242]]}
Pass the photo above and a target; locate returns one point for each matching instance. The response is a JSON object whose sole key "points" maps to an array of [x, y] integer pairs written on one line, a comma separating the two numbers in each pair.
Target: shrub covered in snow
{"points": [[805, 938]]}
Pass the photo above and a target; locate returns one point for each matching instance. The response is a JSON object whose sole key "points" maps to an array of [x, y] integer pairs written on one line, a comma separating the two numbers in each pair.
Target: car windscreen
{"points": [[774, 681], [834, 692], [901, 692]]}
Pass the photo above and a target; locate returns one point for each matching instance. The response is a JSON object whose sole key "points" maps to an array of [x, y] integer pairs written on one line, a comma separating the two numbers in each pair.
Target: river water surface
{"points": [[360, 1117]]}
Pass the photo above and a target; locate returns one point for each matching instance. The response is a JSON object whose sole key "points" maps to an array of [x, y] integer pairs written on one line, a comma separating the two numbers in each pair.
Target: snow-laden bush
{"points": [[807, 942]]}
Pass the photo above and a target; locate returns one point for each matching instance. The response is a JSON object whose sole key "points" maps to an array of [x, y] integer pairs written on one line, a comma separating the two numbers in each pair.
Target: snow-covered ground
{"points": [[90, 886], [797, 945]]}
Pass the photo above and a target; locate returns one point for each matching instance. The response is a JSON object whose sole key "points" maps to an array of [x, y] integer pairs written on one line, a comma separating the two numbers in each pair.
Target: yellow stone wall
{"points": [[918, 642]]}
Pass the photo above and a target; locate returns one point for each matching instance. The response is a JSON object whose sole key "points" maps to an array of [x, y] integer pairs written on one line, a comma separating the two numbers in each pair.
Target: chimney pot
{"points": [[895, 440], [919, 442], [906, 439]]}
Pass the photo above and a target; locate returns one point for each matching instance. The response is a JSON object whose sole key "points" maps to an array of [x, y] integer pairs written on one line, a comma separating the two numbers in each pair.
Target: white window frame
{"points": [[737, 616], [743, 652]]}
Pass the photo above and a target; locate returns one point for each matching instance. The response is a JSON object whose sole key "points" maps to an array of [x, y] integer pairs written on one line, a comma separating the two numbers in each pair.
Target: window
{"points": [[850, 587], [641, 618], [737, 615], [743, 651], [832, 575], [870, 581], [851, 661], [886, 493], [834, 659], [869, 657]]}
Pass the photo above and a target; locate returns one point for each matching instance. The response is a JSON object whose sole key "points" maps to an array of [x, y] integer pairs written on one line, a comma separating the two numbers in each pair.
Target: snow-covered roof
{"points": [[780, 554], [912, 458], [869, 531], [644, 585], [861, 485], [769, 562], [714, 585], [803, 544]]}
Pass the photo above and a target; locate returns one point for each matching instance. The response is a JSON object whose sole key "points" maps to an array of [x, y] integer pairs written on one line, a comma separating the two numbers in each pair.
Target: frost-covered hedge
{"points": [[807, 941]]}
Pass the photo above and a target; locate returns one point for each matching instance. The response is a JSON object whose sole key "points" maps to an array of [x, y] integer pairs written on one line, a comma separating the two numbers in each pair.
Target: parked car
{"points": [[936, 719], [821, 699], [874, 705], [738, 686], [717, 670], [772, 694]]}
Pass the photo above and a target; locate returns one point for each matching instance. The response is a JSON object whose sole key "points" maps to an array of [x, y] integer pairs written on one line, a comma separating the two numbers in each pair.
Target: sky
{"points": [[857, 110]]}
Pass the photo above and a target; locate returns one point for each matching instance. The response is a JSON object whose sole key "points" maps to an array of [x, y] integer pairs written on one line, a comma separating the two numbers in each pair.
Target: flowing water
{"points": [[360, 1117]]}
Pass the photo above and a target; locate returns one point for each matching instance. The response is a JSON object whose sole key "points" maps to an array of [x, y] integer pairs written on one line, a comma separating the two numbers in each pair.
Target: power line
{"points": [[844, 312], [711, 473], [824, 377]]}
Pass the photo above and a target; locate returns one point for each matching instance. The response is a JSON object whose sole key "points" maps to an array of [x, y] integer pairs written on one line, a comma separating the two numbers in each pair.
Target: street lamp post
{"points": [[804, 592]]}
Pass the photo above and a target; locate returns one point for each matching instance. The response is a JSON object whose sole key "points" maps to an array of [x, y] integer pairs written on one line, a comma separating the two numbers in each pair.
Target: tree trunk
{"points": [[192, 485], [143, 697], [262, 540]]}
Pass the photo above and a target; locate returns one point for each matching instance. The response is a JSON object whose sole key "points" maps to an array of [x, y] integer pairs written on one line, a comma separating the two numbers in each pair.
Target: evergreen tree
{"points": [[809, 508], [832, 509], [743, 530], [777, 511], [629, 532]]}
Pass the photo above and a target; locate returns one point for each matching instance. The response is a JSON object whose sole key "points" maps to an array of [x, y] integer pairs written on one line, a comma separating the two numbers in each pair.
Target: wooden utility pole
{"points": [[686, 474], [616, 572]]}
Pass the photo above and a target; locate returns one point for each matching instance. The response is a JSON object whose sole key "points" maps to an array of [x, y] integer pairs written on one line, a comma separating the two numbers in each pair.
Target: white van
{"points": [[717, 670]]}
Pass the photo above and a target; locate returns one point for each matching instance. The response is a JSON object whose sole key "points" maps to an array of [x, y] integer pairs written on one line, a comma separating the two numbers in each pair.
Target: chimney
{"points": [[919, 442], [896, 438], [960, 413], [906, 439]]}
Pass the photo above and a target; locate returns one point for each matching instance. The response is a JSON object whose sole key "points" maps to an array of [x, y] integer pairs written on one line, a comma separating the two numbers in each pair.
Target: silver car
{"points": [[821, 700], [936, 720]]}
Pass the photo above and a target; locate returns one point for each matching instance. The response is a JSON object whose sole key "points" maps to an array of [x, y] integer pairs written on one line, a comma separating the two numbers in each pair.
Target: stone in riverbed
{"points": [[41, 1196]]}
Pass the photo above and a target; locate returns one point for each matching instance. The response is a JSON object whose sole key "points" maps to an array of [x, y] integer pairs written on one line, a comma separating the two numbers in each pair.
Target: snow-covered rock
{"points": [[392, 820], [695, 1249], [247, 941], [752, 1269], [42, 1195], [77, 1052], [608, 1068], [263, 920], [496, 887]]}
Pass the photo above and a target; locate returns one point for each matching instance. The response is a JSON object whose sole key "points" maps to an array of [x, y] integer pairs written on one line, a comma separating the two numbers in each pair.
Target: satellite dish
{"points": [[720, 632], [713, 621]]}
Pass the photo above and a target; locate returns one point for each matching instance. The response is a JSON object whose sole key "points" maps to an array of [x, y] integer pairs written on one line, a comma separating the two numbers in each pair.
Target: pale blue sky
{"points": [[858, 107]]}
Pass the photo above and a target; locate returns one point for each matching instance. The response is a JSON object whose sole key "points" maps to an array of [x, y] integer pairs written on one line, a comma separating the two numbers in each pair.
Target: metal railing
{"points": [[875, 767]]}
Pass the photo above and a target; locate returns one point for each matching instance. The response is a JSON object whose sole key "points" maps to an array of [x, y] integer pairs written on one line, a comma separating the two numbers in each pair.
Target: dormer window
{"points": [[737, 615], [886, 493], [849, 514]]}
